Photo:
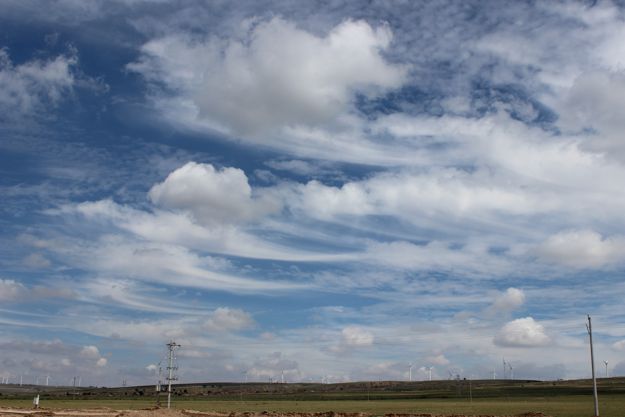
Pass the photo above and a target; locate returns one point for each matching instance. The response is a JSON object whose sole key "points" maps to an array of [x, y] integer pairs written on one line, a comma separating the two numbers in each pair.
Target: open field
{"points": [[487, 397], [565, 406]]}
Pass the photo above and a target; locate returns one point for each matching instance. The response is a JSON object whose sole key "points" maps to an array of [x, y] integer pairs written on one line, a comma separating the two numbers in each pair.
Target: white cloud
{"points": [[213, 197], [525, 332], [228, 319], [90, 352], [582, 249], [470, 258], [406, 194], [356, 336], [596, 101], [275, 75], [273, 365], [101, 362], [439, 359], [27, 86], [353, 337], [36, 260], [620, 345], [509, 300], [153, 262], [11, 290]]}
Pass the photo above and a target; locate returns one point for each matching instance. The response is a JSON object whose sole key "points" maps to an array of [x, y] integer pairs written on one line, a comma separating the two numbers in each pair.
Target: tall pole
{"points": [[170, 368], [606, 368], [592, 365], [410, 372]]}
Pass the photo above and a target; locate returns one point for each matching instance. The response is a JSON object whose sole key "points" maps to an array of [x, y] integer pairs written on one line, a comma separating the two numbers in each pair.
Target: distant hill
{"points": [[374, 390]]}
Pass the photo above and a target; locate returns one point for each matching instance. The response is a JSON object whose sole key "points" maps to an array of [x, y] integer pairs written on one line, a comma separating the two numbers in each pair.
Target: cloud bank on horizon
{"points": [[325, 193]]}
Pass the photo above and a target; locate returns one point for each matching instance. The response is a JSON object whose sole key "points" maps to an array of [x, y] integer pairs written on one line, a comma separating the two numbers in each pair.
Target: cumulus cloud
{"points": [[213, 197], [446, 191], [582, 249], [52, 356], [90, 352], [227, 319], [353, 337], [524, 332], [509, 300], [274, 75]]}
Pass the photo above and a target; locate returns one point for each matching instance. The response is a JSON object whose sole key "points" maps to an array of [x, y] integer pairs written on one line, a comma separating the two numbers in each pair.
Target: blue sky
{"points": [[326, 189]]}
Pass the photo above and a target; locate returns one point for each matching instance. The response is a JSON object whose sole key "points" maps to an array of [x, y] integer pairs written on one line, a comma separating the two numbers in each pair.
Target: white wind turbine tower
{"points": [[606, 368], [429, 368], [511, 370], [410, 372], [504, 368]]}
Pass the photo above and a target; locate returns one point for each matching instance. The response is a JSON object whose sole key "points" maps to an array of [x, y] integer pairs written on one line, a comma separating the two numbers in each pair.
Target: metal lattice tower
{"points": [[171, 346]]}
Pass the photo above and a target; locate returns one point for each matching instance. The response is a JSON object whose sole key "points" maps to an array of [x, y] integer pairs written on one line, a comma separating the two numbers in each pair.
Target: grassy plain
{"points": [[503, 397], [559, 406]]}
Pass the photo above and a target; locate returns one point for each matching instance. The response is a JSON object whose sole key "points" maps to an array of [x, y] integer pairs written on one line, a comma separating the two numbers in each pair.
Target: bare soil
{"points": [[163, 412]]}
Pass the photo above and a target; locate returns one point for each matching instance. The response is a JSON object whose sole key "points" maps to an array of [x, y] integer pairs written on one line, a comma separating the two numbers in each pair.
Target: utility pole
{"points": [[592, 365], [172, 346]]}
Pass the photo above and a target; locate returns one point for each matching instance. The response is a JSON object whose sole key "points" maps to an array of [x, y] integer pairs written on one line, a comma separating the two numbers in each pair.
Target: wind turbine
{"points": [[47, 380], [504, 368], [430, 372], [410, 372], [511, 371], [606, 368]]}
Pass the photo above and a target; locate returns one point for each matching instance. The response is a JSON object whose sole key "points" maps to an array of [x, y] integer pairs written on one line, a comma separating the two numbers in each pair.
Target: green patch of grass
{"points": [[561, 406]]}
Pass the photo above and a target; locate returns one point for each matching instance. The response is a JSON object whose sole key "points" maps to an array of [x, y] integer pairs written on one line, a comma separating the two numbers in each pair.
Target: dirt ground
{"points": [[163, 412]]}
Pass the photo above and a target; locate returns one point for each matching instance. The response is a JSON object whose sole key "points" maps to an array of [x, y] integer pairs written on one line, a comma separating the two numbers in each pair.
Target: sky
{"points": [[329, 190]]}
